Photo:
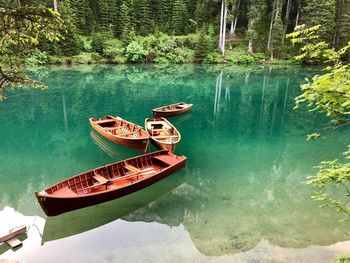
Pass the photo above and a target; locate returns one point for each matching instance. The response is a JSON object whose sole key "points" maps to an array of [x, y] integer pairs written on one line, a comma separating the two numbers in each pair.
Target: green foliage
{"points": [[114, 51], [135, 52], [313, 136], [316, 12], [343, 259], [99, 43], [203, 47], [125, 23], [82, 16], [144, 17], [20, 32], [72, 43], [179, 18], [328, 93], [239, 55], [343, 23], [37, 58], [213, 58], [333, 177]]}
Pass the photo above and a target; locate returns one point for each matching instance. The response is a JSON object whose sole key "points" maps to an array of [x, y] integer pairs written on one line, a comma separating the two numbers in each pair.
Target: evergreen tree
{"points": [[164, 13], [276, 27], [343, 23], [179, 18], [320, 12], [83, 17], [94, 7], [126, 23], [203, 46], [201, 14], [144, 20], [71, 44], [256, 9], [104, 15]]}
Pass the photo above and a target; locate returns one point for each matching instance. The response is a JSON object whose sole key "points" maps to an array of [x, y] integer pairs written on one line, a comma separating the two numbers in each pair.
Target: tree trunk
{"points": [[224, 33], [221, 23], [297, 17], [232, 33], [54, 5], [234, 23], [298, 12], [286, 20], [250, 43], [271, 24]]}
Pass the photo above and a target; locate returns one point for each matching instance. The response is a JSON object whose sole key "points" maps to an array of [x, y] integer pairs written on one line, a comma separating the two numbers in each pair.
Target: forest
{"points": [[185, 31]]}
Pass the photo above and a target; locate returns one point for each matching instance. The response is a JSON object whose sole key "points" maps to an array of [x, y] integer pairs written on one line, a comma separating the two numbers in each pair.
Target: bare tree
{"points": [[235, 12]]}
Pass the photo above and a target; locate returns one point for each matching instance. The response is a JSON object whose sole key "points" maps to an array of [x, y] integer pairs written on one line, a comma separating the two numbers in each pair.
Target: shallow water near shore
{"points": [[240, 198]]}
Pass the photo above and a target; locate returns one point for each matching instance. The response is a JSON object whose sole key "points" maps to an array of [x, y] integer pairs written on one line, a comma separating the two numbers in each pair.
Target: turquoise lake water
{"points": [[240, 198]]}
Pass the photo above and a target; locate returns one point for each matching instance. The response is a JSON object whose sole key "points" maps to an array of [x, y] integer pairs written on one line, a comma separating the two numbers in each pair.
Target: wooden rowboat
{"points": [[121, 131], [163, 134], [108, 182], [172, 109]]}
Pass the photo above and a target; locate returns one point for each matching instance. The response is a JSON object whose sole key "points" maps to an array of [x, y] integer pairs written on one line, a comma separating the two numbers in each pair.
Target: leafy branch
{"points": [[330, 175], [21, 28], [328, 93]]}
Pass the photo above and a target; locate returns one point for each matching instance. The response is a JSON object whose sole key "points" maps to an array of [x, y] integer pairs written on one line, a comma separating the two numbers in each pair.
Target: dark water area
{"points": [[240, 198]]}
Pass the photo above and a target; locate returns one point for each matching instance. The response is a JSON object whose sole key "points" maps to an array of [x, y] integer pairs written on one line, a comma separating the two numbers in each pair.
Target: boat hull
{"points": [[159, 113], [161, 144], [164, 146], [140, 144], [57, 205]]}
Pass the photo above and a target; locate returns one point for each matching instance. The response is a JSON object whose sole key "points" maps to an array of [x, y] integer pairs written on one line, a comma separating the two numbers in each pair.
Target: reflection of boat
{"points": [[163, 134], [109, 182], [27, 232], [180, 119], [10, 237], [79, 221], [121, 131], [172, 109], [114, 150]]}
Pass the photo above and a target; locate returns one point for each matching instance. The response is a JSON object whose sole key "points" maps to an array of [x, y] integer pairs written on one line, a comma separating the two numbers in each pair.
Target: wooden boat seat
{"points": [[165, 159], [158, 130], [165, 136], [104, 121], [132, 168], [129, 133], [146, 171], [100, 179]]}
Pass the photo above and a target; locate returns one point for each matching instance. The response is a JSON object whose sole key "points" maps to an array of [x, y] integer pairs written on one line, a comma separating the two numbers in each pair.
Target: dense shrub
{"points": [[99, 43], [135, 52], [38, 58]]}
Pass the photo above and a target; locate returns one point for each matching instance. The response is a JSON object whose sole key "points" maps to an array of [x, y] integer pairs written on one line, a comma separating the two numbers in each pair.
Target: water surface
{"points": [[241, 197]]}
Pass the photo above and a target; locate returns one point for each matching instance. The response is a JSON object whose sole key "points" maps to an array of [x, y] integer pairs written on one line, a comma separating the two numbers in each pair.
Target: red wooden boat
{"points": [[172, 109], [108, 182], [163, 134], [121, 131]]}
